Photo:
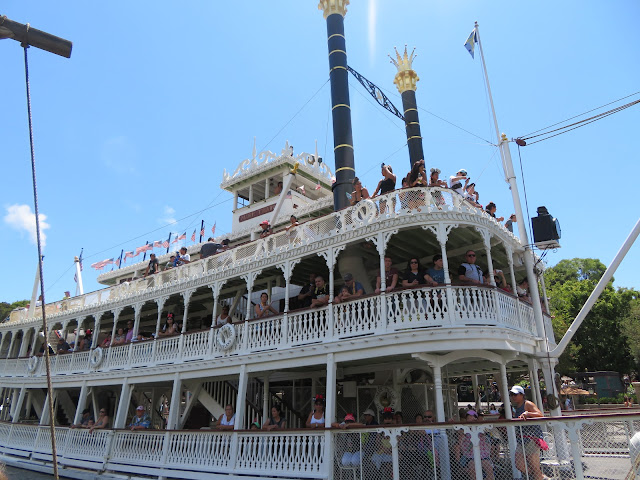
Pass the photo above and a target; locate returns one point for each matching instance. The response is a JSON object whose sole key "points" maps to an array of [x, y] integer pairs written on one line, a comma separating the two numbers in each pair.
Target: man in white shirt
{"points": [[184, 256], [468, 272]]}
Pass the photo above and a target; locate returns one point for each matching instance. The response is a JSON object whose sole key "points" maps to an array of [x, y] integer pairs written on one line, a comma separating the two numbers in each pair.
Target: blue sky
{"points": [[132, 133]]}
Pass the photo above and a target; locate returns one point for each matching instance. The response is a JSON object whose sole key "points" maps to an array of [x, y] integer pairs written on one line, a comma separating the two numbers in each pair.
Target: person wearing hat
{"points": [[353, 289], [266, 229], [140, 420], [84, 420], [455, 181], [369, 417], [529, 438], [349, 443]]}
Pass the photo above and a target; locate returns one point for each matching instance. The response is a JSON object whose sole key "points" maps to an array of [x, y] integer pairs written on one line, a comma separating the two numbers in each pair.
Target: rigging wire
{"points": [[526, 200], [578, 124], [581, 114], [294, 115], [47, 359], [377, 107]]}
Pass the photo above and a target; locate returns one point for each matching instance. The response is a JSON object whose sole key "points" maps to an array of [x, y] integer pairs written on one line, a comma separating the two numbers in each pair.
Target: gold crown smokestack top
{"points": [[334, 12], [406, 80]]}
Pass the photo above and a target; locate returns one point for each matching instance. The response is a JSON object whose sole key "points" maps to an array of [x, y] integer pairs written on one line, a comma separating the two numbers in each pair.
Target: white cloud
{"points": [[373, 14], [22, 219], [168, 215]]}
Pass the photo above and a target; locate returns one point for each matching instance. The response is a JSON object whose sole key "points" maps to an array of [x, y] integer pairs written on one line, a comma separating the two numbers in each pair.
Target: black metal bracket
{"points": [[377, 94]]}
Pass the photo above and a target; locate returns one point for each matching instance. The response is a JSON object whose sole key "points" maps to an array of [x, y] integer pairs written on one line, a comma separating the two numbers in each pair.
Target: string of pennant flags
{"points": [[150, 246]]}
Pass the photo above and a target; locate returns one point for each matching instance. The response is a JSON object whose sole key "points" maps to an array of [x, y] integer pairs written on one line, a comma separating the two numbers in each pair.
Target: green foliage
{"points": [[601, 342], [5, 308]]}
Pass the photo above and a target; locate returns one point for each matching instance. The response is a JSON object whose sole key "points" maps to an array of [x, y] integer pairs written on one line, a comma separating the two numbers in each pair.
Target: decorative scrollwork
{"points": [[377, 94]]}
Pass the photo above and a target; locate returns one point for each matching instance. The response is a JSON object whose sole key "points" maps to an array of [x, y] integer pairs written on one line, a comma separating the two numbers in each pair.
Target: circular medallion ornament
{"points": [[365, 211], [33, 364], [95, 359], [226, 337]]}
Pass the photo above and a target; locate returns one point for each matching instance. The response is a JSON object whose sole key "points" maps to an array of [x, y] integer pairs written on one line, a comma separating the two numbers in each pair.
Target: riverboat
{"points": [[398, 350]]}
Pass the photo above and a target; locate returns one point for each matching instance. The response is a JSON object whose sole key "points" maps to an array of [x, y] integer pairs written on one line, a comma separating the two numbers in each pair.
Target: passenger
{"points": [[529, 438], [171, 263], [278, 189], [106, 342], [471, 196], [434, 179], [255, 426], [129, 336], [428, 416], [455, 181], [169, 328], [419, 419], [305, 296], [293, 223], [493, 410], [465, 451], [154, 265], [120, 338], [388, 182], [183, 258], [140, 420], [390, 274], [468, 272], [224, 246], [435, 275], [414, 275], [501, 281], [491, 211], [102, 422], [266, 229], [210, 248], [63, 346], [404, 196], [224, 317], [227, 420], [316, 417], [275, 421], [352, 456], [369, 417], [264, 309], [523, 290], [353, 291], [417, 176], [320, 296], [510, 221], [349, 421], [397, 418], [84, 420], [359, 192]]}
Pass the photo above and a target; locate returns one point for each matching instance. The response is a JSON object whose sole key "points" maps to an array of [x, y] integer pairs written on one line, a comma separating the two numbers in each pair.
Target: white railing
{"points": [[410, 309], [398, 203], [568, 447]]}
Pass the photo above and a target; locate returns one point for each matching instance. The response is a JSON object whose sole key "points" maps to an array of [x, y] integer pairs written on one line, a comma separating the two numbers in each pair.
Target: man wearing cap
{"points": [[84, 420], [141, 420], [455, 181], [266, 229], [369, 417], [528, 438], [351, 289]]}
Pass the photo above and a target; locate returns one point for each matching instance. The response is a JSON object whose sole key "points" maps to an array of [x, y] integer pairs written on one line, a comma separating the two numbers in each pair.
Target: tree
{"points": [[600, 343], [5, 308]]}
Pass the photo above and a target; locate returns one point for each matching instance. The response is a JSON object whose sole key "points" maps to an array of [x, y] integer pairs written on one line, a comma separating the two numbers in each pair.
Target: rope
{"points": [[526, 201], [54, 454]]}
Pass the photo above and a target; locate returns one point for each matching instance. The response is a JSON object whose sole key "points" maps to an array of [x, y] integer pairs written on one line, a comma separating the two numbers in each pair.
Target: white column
{"points": [[82, 400], [544, 295], [537, 384], [116, 314], [136, 319], [24, 342], [474, 385], [187, 298], [123, 404], [330, 400], [265, 398], [241, 401], [486, 238], [506, 404], [512, 272], [174, 408], [548, 371], [17, 406], [96, 330], [437, 380]]}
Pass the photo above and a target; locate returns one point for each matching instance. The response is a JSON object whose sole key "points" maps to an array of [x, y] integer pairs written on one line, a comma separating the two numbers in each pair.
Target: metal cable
{"points": [[54, 454]]}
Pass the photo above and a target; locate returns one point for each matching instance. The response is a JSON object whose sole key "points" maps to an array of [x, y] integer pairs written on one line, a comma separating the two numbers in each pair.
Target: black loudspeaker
{"points": [[546, 229]]}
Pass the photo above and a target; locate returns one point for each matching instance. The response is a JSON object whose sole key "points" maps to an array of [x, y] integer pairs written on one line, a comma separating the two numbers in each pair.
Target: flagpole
{"points": [[201, 230], [169, 242], [120, 261], [79, 286], [510, 177], [145, 252]]}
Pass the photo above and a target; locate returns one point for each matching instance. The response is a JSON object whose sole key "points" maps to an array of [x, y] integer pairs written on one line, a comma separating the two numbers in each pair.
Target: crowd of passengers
{"points": [[315, 294], [417, 448]]}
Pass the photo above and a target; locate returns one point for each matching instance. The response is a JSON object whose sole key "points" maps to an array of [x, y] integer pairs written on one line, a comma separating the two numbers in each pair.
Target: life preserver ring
{"points": [[226, 336], [95, 359], [33, 364], [385, 397], [365, 211]]}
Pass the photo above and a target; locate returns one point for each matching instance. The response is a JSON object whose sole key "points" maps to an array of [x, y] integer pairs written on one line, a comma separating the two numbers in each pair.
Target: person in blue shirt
{"points": [[354, 289], [435, 275], [141, 420]]}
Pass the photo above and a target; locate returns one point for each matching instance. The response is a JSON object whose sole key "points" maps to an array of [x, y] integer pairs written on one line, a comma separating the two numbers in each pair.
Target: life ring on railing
{"points": [[32, 364], [95, 359], [365, 210], [226, 336]]}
